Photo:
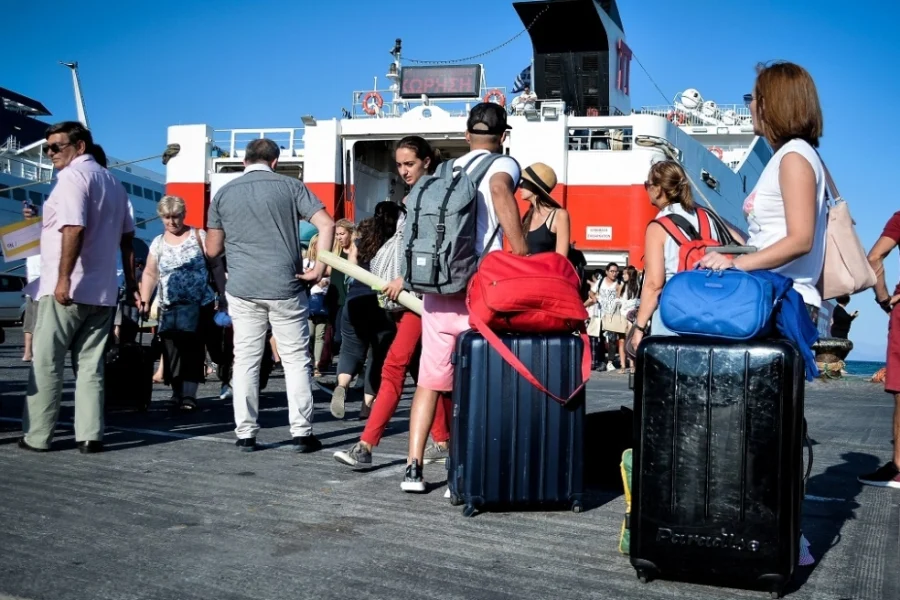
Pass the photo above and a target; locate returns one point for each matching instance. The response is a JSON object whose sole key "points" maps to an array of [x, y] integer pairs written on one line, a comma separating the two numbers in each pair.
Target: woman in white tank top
{"points": [[669, 191], [786, 211]]}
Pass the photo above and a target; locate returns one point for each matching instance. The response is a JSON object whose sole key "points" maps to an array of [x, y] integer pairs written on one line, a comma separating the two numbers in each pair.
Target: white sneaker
{"points": [[447, 494], [610, 367]]}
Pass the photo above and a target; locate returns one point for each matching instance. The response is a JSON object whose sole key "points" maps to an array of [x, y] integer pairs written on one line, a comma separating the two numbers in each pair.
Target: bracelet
{"points": [[641, 329]]}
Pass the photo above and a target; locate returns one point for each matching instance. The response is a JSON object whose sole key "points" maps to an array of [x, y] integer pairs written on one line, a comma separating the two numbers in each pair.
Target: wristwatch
{"points": [[885, 304], [641, 329]]}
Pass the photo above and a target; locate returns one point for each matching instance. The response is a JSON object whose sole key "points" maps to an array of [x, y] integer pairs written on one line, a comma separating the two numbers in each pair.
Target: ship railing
{"points": [[25, 168], [455, 107], [232, 143], [587, 139], [704, 116]]}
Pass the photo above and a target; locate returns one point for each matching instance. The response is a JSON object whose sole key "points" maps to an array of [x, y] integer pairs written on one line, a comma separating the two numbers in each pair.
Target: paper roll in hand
{"points": [[376, 283]]}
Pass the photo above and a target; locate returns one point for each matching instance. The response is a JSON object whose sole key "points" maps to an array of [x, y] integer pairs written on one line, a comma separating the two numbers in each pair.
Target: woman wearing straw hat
{"points": [[552, 233]]}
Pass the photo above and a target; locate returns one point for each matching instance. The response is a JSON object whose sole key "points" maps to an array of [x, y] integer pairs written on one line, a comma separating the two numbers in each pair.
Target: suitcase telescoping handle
{"points": [[497, 344], [731, 249]]}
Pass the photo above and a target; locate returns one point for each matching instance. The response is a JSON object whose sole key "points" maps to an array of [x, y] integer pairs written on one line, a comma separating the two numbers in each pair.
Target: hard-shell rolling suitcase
{"points": [[512, 446], [717, 482]]}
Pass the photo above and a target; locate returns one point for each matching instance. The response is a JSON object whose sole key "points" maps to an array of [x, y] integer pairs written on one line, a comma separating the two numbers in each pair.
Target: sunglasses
{"points": [[54, 148]]}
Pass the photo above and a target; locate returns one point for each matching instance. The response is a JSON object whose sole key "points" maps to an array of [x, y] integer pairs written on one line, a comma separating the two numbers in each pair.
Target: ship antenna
{"points": [[79, 98]]}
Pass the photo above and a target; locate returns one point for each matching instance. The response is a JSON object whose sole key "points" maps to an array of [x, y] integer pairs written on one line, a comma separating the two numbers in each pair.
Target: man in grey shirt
{"points": [[255, 220]]}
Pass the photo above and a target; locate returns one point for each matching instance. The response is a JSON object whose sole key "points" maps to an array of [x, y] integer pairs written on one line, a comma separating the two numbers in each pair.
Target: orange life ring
{"points": [[676, 117], [501, 99], [368, 108], [717, 151]]}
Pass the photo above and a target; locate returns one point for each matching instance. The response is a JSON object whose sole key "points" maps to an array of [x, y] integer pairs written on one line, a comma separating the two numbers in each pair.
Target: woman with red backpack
{"points": [[669, 190]]}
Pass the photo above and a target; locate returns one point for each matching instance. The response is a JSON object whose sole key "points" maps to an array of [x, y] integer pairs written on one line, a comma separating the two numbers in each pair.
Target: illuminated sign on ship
{"points": [[457, 81]]}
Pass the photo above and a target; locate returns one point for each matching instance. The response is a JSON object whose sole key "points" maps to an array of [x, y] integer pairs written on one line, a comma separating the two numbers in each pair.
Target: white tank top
{"points": [[764, 209]]}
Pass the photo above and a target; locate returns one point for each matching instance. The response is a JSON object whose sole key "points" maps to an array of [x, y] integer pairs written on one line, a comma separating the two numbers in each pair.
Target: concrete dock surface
{"points": [[172, 510]]}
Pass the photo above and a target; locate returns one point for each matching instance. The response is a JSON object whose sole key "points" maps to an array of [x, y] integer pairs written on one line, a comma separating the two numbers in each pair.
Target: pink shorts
{"points": [[443, 319]]}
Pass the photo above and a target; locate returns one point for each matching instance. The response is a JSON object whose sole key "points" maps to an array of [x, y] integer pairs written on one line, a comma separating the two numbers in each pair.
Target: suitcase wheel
{"points": [[775, 595], [469, 510], [577, 507], [455, 500], [643, 577]]}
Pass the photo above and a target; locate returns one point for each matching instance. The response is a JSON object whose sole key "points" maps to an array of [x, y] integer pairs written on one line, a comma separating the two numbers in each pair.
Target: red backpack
{"points": [[692, 244], [533, 294]]}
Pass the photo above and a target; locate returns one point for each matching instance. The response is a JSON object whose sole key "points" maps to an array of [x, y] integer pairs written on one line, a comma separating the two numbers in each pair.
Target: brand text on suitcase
{"points": [[726, 540]]}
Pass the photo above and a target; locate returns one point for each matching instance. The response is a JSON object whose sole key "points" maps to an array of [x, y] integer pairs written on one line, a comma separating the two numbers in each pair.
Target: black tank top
{"points": [[542, 239]]}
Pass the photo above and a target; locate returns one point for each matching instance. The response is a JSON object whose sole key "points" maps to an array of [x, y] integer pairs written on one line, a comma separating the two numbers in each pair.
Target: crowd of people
{"points": [[215, 301]]}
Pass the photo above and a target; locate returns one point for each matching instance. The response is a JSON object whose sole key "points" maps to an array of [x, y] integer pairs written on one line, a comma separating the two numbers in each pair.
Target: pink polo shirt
{"points": [[85, 195]]}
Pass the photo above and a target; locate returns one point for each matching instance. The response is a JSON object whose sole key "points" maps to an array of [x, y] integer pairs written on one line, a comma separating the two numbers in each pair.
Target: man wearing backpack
{"points": [[454, 218]]}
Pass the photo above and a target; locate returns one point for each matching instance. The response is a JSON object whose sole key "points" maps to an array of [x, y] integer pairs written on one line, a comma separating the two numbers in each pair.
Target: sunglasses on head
{"points": [[54, 148]]}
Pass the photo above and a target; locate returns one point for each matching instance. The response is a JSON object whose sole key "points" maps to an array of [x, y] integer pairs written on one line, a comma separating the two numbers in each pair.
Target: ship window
{"points": [[157, 196], [19, 195], [36, 197], [127, 186], [4, 193], [606, 138], [138, 190], [148, 193]]}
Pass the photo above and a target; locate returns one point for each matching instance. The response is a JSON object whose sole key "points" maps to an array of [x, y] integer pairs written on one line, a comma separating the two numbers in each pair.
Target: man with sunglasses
{"points": [[86, 220]]}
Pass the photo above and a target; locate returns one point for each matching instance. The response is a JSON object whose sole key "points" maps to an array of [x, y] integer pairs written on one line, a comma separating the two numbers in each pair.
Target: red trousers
{"points": [[892, 374], [403, 355]]}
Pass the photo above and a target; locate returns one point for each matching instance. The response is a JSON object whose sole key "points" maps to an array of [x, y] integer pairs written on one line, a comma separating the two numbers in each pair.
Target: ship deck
{"points": [[173, 510]]}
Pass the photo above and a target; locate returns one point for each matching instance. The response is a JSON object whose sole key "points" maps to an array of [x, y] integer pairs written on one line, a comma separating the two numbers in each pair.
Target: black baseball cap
{"points": [[487, 118]]}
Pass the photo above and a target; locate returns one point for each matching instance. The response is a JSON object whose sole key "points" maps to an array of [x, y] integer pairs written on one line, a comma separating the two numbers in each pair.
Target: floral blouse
{"points": [[183, 277]]}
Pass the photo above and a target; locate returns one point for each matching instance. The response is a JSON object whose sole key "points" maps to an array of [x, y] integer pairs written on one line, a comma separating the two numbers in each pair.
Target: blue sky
{"points": [[145, 66]]}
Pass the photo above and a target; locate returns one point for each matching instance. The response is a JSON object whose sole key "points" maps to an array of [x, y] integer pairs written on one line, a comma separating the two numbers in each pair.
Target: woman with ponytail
{"points": [[669, 190]]}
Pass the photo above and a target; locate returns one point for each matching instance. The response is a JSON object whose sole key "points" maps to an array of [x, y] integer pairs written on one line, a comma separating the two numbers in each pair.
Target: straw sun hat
{"points": [[542, 179]]}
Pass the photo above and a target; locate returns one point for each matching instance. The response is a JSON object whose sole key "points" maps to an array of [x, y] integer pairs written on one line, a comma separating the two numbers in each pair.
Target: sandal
{"points": [[188, 404]]}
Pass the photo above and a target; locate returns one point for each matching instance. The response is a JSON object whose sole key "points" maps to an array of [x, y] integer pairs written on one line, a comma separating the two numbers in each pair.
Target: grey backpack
{"points": [[440, 228]]}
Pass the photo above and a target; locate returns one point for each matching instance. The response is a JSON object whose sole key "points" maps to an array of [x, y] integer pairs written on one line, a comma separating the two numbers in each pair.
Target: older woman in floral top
{"points": [[177, 263]]}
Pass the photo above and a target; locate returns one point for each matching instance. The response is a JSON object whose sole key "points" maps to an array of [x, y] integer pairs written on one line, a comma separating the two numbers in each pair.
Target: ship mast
{"points": [[79, 98]]}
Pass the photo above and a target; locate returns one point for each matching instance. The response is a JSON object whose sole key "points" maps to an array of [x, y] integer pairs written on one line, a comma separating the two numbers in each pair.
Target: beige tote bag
{"points": [[847, 270]]}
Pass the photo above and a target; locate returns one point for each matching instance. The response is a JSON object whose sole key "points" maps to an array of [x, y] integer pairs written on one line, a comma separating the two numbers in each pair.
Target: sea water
{"points": [[862, 368]]}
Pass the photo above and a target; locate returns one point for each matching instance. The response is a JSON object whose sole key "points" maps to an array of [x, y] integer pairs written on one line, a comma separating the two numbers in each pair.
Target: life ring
{"points": [[717, 151], [676, 117], [379, 102], [489, 97]]}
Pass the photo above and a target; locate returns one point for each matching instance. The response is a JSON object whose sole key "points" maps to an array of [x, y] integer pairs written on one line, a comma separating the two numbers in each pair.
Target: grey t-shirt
{"points": [[260, 213]]}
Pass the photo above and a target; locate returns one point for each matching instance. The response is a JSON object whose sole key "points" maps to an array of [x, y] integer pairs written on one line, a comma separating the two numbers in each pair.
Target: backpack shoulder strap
{"points": [[478, 173], [704, 221], [678, 228]]}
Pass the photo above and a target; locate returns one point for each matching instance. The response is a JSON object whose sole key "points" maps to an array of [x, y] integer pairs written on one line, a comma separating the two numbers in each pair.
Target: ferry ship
{"points": [[26, 174], [583, 124]]}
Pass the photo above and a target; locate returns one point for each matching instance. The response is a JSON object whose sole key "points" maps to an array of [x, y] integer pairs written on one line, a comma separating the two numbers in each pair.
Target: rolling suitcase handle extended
{"points": [[522, 370]]}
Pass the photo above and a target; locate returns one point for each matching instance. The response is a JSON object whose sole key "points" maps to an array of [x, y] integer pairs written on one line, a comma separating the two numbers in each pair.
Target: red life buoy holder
{"points": [[676, 117], [368, 106], [717, 151], [489, 97]]}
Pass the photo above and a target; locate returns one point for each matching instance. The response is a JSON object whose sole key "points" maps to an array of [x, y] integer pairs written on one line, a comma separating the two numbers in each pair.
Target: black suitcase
{"points": [[511, 445], [717, 482], [128, 376]]}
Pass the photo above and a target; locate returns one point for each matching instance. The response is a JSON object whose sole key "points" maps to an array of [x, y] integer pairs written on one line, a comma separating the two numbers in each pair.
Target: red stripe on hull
{"points": [[196, 200], [624, 208], [330, 194]]}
